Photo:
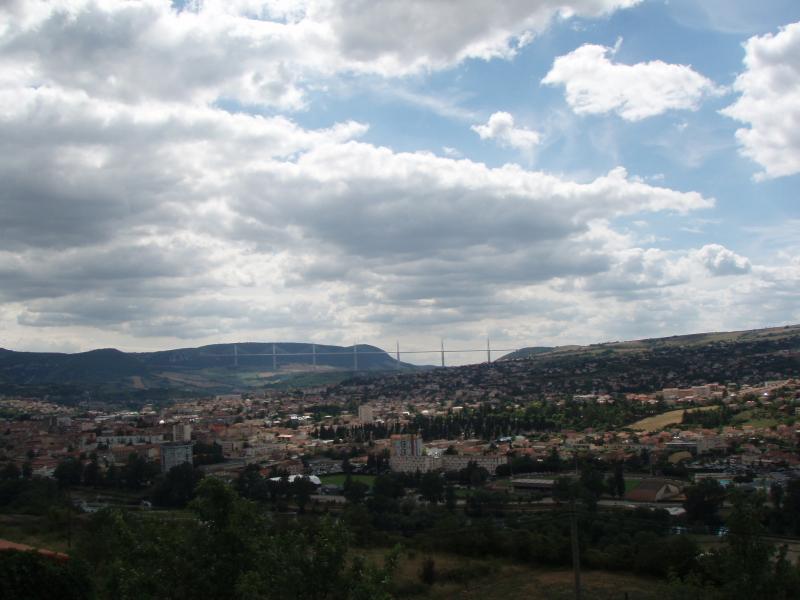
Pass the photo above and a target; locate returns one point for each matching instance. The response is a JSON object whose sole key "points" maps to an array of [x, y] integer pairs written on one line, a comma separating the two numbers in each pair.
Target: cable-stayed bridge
{"points": [[317, 351]]}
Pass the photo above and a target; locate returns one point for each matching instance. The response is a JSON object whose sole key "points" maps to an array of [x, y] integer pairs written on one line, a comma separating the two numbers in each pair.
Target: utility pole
{"points": [[398, 354], [274, 359], [576, 558], [69, 516], [488, 351], [442, 352]]}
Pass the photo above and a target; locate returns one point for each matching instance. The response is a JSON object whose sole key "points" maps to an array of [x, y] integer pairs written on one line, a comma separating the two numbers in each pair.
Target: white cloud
{"points": [[596, 85], [500, 127], [722, 261], [159, 214], [770, 102], [257, 52], [405, 36], [155, 213]]}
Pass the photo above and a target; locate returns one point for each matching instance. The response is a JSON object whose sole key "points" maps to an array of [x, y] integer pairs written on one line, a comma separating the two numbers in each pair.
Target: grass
{"points": [[658, 422], [631, 484], [490, 579], [36, 531], [339, 479], [755, 418], [761, 423]]}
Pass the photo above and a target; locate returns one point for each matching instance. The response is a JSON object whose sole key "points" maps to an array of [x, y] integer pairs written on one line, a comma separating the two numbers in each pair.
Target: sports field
{"points": [[658, 422]]}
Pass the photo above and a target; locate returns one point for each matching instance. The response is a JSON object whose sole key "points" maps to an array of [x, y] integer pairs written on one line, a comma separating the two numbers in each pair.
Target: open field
{"points": [[660, 421], [36, 531], [755, 418], [490, 579], [339, 479], [631, 484]]}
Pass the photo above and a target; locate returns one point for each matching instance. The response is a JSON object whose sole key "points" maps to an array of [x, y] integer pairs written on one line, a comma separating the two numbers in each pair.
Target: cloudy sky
{"points": [[536, 171]]}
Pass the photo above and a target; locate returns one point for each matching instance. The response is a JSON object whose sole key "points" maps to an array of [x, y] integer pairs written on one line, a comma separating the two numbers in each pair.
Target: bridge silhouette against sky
{"points": [[365, 350]]}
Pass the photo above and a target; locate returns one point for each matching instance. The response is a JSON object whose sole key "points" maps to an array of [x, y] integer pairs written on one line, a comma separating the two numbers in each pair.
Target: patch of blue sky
{"points": [[681, 149]]}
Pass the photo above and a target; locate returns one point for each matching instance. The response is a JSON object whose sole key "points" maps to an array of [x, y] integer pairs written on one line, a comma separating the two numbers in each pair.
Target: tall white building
{"points": [[365, 413], [182, 432], [407, 445], [174, 454]]}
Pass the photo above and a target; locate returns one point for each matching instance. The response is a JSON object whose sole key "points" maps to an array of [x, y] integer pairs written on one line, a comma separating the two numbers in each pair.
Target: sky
{"points": [[378, 171]]}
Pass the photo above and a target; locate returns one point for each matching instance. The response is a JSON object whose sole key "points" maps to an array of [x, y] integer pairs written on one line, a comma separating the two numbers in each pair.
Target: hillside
{"points": [[695, 340], [217, 367], [632, 366], [93, 367], [748, 357]]}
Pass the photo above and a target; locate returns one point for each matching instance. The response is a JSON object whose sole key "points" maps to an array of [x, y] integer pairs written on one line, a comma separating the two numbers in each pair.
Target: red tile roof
{"points": [[9, 545]]}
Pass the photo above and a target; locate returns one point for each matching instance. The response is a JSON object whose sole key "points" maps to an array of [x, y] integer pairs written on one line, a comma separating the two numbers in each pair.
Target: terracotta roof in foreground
{"points": [[9, 545]]}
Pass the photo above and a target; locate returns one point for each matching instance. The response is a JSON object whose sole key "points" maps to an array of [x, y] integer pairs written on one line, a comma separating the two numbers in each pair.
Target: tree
{"points": [[450, 499], [473, 475], [302, 489], [563, 489], [431, 487], [250, 484], [10, 472], [231, 551], [137, 472], [427, 572], [746, 566], [747, 560], [703, 501], [388, 485], [591, 485], [355, 491], [37, 577], [791, 506], [776, 495], [553, 461], [91, 473], [207, 454], [176, 488], [619, 480], [68, 472]]}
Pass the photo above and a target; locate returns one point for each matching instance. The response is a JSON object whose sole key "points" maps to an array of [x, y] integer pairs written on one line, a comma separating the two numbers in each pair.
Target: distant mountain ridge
{"points": [[650, 344], [228, 366], [260, 354], [632, 365]]}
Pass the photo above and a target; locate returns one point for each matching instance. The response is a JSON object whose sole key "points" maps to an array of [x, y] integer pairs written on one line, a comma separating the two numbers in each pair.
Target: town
{"points": [[743, 435]]}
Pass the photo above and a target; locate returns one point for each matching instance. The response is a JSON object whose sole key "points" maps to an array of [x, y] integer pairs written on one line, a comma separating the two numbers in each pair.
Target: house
{"points": [[323, 466], [530, 485], [654, 490]]}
